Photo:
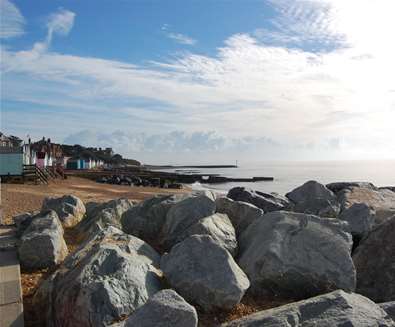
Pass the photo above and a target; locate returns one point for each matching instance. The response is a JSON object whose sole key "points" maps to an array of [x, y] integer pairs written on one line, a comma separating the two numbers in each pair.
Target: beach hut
{"points": [[75, 163], [11, 156], [11, 161]]}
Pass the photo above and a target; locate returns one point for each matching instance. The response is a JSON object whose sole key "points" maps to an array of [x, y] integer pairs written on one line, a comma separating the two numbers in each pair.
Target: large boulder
{"points": [[219, 227], [336, 309], [314, 198], [23, 220], [69, 208], [296, 255], [389, 307], [183, 215], [146, 219], [267, 202], [108, 278], [42, 244], [360, 217], [340, 186], [204, 273], [391, 188], [382, 201], [374, 260], [166, 309], [241, 214], [101, 215]]}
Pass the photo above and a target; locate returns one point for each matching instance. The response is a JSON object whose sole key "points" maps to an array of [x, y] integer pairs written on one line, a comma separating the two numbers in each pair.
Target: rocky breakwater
{"points": [[169, 260]]}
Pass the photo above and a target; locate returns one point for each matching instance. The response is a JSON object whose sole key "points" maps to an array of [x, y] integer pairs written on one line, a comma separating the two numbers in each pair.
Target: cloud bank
{"points": [[258, 86]]}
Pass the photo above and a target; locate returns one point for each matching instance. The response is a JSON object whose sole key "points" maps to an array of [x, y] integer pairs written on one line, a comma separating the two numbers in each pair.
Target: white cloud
{"points": [[11, 22], [177, 37], [60, 22], [181, 38]]}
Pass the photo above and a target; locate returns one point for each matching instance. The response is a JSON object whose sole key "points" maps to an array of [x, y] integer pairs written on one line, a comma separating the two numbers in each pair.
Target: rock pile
{"points": [[212, 251]]}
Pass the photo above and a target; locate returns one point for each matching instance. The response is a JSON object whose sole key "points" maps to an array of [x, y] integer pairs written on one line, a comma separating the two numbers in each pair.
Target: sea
{"points": [[288, 175]]}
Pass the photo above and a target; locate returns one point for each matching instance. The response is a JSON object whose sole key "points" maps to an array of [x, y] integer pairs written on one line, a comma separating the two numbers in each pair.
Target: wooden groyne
{"points": [[192, 166], [172, 177]]}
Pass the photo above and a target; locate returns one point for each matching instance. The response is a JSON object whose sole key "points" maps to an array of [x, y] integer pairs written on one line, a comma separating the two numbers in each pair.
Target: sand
{"points": [[19, 198]]}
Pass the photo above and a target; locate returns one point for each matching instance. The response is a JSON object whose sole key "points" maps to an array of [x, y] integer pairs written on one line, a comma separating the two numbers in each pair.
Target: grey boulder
{"points": [[108, 278], [389, 307], [314, 198], [23, 220], [266, 202], [336, 309], [101, 215], [296, 255], [382, 201], [340, 186], [374, 260], [219, 227], [146, 219], [360, 217], [166, 309], [183, 215], [204, 273], [241, 214], [42, 244], [69, 208]]}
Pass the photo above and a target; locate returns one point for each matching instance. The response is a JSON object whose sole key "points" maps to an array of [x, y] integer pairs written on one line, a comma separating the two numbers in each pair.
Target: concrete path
{"points": [[11, 304]]}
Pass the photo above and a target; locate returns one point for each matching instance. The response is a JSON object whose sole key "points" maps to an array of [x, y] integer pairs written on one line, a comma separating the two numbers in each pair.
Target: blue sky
{"points": [[203, 81]]}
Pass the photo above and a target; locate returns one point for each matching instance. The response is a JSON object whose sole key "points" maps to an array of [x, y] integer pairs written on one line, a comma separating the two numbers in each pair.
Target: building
{"points": [[11, 161], [43, 153], [84, 160], [11, 155]]}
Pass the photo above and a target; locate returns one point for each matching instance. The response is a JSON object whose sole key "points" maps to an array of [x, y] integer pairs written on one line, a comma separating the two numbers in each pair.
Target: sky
{"points": [[203, 81]]}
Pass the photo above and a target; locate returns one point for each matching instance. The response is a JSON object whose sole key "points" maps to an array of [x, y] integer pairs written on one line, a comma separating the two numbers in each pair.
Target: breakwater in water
{"points": [[154, 175]]}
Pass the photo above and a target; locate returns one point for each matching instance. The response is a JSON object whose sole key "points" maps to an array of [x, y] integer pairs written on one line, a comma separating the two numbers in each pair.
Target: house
{"points": [[43, 153]]}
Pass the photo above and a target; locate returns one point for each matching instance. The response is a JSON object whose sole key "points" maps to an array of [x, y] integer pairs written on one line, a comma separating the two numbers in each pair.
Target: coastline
{"points": [[19, 198]]}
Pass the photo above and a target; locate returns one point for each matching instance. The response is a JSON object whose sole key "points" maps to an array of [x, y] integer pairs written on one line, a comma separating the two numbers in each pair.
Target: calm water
{"points": [[288, 175]]}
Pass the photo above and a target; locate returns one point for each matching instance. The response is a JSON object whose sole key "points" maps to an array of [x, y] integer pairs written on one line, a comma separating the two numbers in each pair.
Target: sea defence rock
{"points": [[146, 219], [340, 186], [382, 201], [336, 309], [296, 255], [23, 220], [167, 309], [42, 244], [241, 214], [109, 277], [360, 217], [266, 202], [183, 215], [314, 198], [204, 273], [374, 260], [101, 215], [389, 307], [69, 208], [219, 227], [391, 188]]}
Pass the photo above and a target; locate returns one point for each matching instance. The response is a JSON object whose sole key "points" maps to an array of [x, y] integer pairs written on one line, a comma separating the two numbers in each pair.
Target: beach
{"points": [[19, 198]]}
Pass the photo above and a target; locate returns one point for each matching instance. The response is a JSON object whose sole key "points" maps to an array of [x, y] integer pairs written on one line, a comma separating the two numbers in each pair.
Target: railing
{"points": [[35, 172]]}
